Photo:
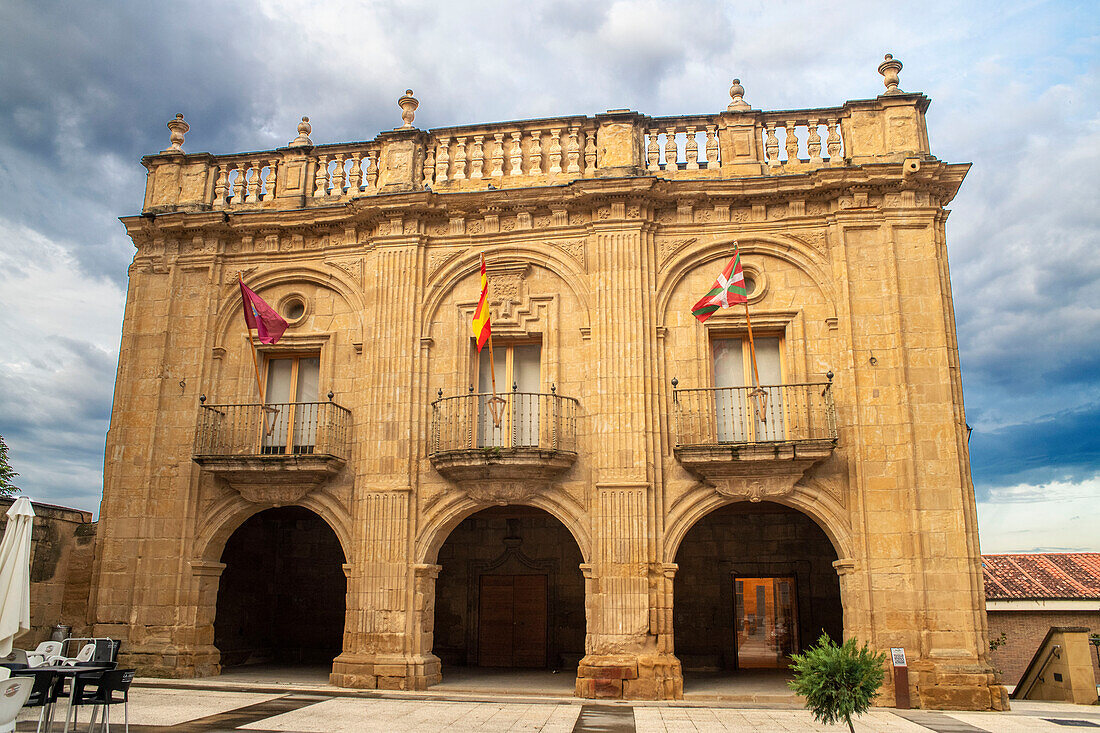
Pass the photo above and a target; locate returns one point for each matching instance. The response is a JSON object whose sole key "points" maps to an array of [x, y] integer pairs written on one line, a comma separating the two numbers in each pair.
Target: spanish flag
{"points": [[481, 326]]}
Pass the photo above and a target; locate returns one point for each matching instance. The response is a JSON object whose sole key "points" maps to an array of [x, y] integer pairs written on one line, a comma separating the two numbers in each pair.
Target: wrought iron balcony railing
{"points": [[275, 429], [527, 420], [746, 415]]}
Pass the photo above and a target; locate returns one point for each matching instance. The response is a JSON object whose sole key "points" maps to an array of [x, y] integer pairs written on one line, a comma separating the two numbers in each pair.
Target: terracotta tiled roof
{"points": [[1050, 575]]}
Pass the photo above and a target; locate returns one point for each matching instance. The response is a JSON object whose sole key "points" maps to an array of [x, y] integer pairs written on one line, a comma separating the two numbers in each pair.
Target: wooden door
{"points": [[529, 621], [512, 621]]}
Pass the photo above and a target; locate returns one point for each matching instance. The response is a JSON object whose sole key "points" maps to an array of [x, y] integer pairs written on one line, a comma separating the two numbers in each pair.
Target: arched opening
{"points": [[755, 584], [282, 594], [510, 598]]}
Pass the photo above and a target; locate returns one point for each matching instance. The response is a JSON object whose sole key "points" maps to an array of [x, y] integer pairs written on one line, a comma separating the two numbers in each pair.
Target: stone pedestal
{"points": [[385, 672], [631, 677]]}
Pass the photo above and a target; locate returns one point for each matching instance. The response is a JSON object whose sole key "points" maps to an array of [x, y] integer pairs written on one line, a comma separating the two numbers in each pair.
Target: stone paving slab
{"points": [[1016, 723], [421, 716], [721, 720]]}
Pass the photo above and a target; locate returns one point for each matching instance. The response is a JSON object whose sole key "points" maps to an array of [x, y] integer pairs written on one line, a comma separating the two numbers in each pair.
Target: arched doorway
{"points": [[510, 595], [282, 594], [755, 584]]}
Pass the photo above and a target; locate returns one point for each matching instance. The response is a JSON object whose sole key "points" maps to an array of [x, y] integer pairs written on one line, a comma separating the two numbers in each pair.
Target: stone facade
{"points": [[599, 233]]}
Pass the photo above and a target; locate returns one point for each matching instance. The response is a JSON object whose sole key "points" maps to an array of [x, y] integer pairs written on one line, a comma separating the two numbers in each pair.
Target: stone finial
{"points": [[304, 128], [408, 105], [889, 70], [178, 128], [737, 94]]}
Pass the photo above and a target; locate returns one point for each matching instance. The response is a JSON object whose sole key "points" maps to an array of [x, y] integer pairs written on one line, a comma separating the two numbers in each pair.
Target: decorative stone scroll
{"points": [[575, 248], [669, 247], [353, 267], [440, 257]]}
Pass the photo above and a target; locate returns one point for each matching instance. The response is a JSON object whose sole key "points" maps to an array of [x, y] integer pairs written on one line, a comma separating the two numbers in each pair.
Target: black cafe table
{"points": [[63, 672]]}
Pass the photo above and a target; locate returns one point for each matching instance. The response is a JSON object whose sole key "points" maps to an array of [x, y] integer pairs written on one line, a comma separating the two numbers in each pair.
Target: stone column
{"points": [[622, 656], [381, 645], [207, 578]]}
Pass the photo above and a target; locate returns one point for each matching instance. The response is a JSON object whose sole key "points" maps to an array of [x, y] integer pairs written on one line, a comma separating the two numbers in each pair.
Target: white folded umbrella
{"points": [[15, 574]]}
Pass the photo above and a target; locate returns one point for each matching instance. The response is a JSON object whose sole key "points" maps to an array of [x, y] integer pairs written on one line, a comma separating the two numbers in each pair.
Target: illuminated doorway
{"points": [[764, 620]]}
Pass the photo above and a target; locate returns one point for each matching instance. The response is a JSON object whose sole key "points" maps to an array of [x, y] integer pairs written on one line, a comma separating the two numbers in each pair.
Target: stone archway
{"points": [[755, 582], [510, 593], [282, 594]]}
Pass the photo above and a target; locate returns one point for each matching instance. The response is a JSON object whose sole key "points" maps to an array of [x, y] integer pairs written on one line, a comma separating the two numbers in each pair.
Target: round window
{"points": [[756, 283], [750, 285], [294, 308]]}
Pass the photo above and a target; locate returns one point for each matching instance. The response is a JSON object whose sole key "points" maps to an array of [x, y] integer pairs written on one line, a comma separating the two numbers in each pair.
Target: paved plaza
{"points": [[239, 706]]}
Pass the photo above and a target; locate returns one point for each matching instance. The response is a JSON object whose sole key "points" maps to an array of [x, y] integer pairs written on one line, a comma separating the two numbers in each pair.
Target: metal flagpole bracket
{"points": [[496, 409], [759, 397]]}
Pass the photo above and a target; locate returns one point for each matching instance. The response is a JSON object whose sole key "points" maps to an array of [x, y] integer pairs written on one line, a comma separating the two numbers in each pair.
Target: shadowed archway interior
{"points": [[755, 583], [282, 594], [510, 592]]}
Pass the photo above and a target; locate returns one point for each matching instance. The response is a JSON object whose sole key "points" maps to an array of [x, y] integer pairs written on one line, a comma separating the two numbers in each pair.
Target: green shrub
{"points": [[837, 681]]}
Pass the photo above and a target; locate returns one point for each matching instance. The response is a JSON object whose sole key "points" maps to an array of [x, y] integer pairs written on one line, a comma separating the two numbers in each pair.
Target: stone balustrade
{"points": [[515, 154], [803, 147], [682, 144], [738, 142]]}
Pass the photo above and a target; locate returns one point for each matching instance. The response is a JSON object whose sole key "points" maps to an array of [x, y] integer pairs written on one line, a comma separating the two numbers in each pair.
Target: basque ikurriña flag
{"points": [[481, 326], [259, 315], [728, 289]]}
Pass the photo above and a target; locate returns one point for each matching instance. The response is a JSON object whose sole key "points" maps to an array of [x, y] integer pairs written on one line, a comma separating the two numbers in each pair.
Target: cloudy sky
{"points": [[86, 89]]}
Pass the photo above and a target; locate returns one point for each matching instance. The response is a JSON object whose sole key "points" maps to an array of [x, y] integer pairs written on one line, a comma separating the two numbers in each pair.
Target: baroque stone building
{"points": [[632, 515]]}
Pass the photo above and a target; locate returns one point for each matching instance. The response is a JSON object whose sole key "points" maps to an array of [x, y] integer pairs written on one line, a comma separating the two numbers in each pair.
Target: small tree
{"points": [[837, 681], [7, 473]]}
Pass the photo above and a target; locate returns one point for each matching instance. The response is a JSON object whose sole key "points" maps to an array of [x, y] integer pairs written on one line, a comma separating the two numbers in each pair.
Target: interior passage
{"points": [[510, 593], [755, 584], [282, 593]]}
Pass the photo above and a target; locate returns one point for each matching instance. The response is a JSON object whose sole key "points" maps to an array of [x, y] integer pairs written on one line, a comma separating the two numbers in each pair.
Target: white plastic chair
{"points": [[84, 655], [13, 695], [42, 652]]}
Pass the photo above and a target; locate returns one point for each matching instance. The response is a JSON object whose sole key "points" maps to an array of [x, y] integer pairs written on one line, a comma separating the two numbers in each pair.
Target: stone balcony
{"points": [[738, 142], [516, 444], [753, 443], [274, 453]]}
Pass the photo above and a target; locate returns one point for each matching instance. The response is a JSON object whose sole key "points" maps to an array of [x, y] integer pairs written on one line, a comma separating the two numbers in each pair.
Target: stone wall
{"points": [[1024, 632], [509, 540], [62, 550], [750, 540], [281, 596]]}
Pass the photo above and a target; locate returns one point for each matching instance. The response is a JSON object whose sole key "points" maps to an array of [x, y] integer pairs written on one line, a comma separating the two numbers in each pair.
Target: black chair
{"points": [[44, 695], [103, 690], [106, 651]]}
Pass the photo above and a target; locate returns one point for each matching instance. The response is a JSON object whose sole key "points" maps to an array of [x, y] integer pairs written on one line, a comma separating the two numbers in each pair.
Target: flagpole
{"points": [[492, 365], [752, 345], [251, 343], [495, 409]]}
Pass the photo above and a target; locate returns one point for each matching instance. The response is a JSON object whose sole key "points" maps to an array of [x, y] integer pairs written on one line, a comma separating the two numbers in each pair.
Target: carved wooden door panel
{"points": [[494, 645], [529, 623], [512, 611]]}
